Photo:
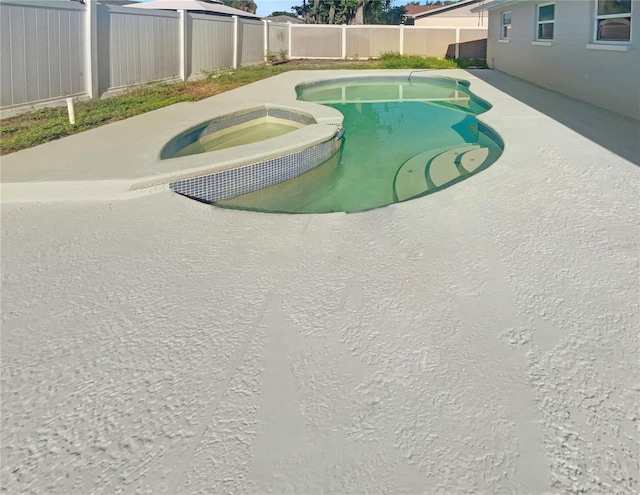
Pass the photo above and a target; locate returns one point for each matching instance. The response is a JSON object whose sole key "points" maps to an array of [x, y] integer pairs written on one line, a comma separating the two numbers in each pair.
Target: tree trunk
{"points": [[359, 18]]}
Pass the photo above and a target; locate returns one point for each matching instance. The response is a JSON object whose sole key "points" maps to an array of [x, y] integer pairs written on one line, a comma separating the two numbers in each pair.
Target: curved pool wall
{"points": [[293, 193], [237, 181], [335, 91], [229, 172]]}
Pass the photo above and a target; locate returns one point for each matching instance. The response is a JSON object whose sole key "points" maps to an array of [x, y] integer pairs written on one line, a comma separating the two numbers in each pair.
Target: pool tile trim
{"points": [[233, 182]]}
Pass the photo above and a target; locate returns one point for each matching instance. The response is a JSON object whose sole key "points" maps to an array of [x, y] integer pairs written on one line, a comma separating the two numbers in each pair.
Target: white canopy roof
{"points": [[198, 5]]}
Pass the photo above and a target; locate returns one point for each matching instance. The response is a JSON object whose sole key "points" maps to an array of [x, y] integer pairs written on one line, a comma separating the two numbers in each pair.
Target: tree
{"points": [[393, 15], [244, 5], [349, 12], [282, 12]]}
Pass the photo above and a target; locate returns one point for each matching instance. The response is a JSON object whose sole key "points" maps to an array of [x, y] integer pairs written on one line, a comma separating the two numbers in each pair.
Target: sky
{"points": [[265, 7]]}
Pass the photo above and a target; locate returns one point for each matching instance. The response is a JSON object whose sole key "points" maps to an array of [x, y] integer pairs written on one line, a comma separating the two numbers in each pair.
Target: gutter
{"points": [[495, 4]]}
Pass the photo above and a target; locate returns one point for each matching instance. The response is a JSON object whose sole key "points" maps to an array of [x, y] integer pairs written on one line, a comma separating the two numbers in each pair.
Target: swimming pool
{"points": [[405, 138]]}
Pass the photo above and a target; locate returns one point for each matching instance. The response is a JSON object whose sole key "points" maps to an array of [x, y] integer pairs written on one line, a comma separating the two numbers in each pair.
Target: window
{"points": [[613, 20], [505, 31], [545, 21]]}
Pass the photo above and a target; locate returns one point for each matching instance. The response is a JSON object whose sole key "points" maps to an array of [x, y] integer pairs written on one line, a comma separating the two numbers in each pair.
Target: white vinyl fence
{"points": [[137, 47], [211, 44], [53, 49], [42, 51], [362, 42]]}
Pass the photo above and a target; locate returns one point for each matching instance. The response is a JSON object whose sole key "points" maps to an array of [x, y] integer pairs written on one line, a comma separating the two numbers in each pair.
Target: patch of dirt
{"points": [[203, 89], [305, 62]]}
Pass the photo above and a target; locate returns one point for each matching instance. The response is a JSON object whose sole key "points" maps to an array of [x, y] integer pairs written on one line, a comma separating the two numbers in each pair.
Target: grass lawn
{"points": [[30, 129]]}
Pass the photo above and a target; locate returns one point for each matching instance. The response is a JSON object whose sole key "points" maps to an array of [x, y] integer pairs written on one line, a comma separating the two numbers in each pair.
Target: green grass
{"points": [[394, 60], [41, 126], [47, 124]]}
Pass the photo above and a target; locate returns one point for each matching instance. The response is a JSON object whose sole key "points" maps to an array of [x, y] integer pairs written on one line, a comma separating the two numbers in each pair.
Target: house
{"points": [[117, 3], [411, 10], [586, 49], [284, 18], [455, 14], [470, 41]]}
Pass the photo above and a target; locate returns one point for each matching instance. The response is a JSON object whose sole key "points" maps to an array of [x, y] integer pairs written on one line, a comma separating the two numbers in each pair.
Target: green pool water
{"points": [[403, 139]]}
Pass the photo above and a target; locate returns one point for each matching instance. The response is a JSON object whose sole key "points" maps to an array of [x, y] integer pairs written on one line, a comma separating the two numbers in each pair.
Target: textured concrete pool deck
{"points": [[482, 339]]}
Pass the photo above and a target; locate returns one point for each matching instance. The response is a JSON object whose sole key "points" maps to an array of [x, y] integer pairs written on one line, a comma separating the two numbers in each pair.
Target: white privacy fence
{"points": [[211, 49], [42, 51], [52, 49], [361, 42], [136, 47]]}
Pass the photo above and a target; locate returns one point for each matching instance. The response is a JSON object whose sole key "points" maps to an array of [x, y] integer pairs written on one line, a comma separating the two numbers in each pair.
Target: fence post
{"points": [[344, 41], [266, 38], [457, 52], [401, 39], [235, 42], [290, 44], [183, 45], [91, 48]]}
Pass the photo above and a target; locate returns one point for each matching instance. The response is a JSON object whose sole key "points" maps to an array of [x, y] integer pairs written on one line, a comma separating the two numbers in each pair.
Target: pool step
{"points": [[446, 166], [410, 179], [435, 168], [472, 159]]}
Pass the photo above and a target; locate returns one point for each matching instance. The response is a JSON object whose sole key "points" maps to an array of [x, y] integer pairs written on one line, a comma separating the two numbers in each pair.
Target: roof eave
{"points": [[495, 4], [444, 8]]}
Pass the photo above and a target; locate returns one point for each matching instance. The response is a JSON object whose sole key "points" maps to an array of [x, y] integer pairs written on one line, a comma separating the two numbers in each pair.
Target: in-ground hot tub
{"points": [[236, 129], [251, 149]]}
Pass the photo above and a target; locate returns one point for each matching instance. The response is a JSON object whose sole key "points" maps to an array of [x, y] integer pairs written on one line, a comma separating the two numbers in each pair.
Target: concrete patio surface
{"points": [[482, 339]]}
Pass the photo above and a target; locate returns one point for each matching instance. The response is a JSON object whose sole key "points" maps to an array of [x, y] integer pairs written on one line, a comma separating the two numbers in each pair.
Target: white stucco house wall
{"points": [[587, 49], [456, 14]]}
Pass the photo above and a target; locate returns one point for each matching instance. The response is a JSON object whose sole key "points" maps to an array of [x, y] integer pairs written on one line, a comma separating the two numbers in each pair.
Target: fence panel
{"points": [[473, 43], [211, 43], [143, 46], [314, 40], [473, 49], [278, 37], [371, 41], [251, 40], [428, 41], [42, 52], [472, 34]]}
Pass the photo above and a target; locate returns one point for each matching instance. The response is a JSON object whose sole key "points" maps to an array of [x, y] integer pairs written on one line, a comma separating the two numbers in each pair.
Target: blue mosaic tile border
{"points": [[234, 182]]}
